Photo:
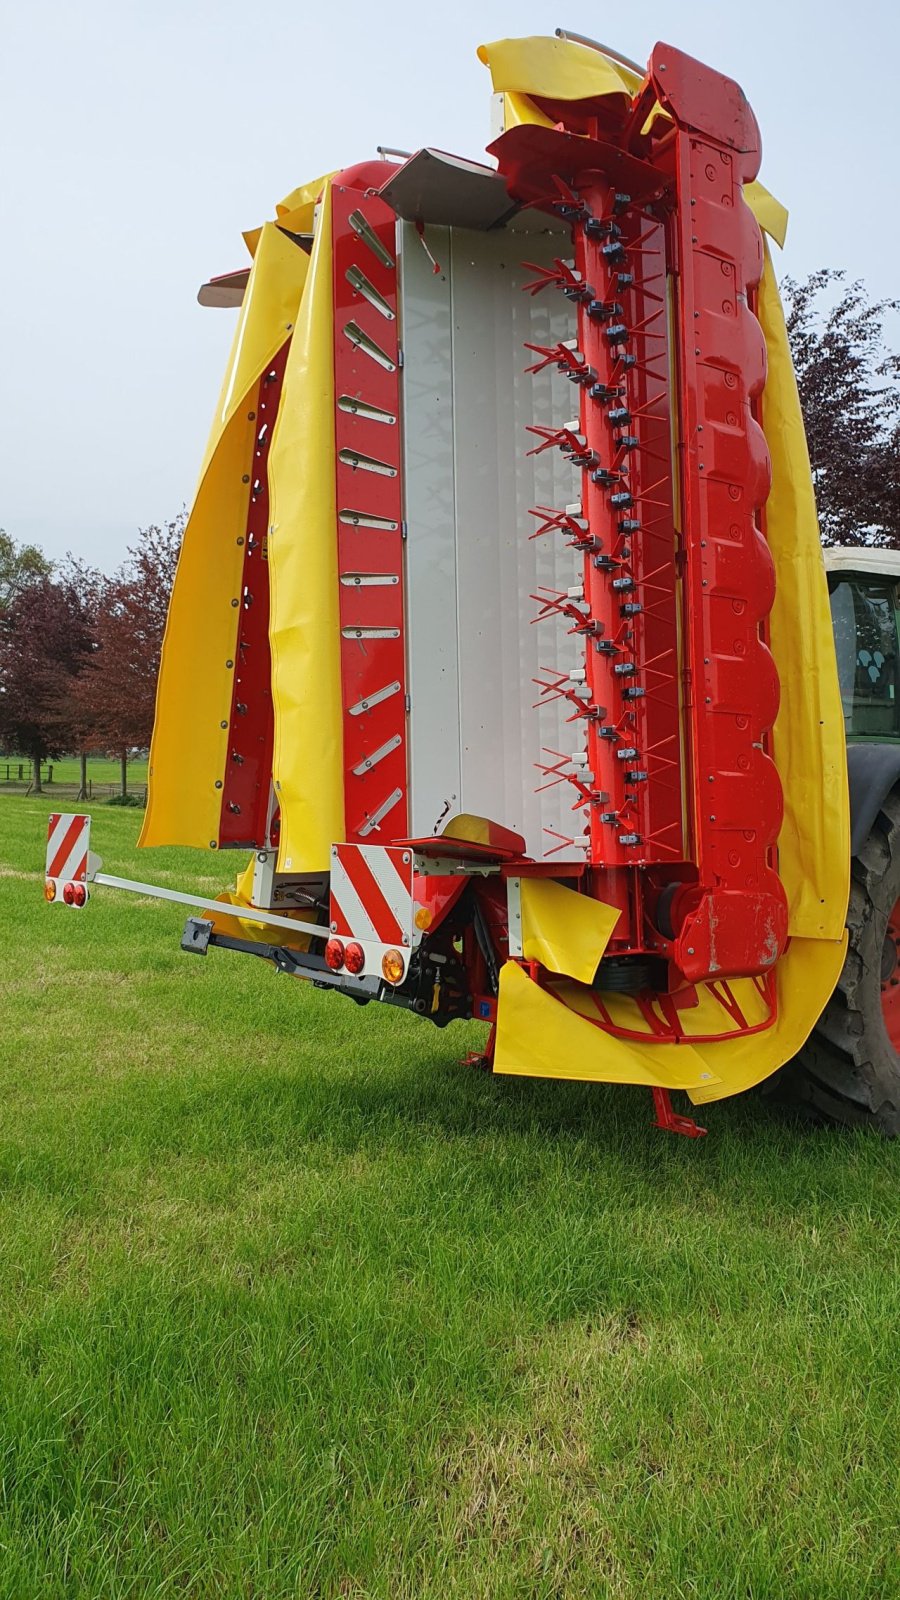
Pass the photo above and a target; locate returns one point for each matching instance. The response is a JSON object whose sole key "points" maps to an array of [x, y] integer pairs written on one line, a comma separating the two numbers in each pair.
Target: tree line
{"points": [[849, 381], [79, 652]]}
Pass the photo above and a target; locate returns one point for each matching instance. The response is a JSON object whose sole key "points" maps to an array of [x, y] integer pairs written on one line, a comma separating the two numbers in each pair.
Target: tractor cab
{"points": [[864, 586]]}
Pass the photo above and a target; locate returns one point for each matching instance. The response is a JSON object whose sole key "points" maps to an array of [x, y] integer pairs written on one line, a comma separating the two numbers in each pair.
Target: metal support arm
{"points": [[245, 913]]}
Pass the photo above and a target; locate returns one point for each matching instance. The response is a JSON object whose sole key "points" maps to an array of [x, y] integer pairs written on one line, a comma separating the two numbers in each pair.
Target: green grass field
{"points": [[293, 1304], [68, 770]]}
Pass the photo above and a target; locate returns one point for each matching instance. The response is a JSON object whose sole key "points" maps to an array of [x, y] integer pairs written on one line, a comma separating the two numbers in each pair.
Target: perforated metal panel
{"points": [[477, 739]]}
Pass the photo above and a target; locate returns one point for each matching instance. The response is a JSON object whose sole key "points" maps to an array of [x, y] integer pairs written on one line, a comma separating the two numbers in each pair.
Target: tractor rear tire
{"points": [[849, 1069]]}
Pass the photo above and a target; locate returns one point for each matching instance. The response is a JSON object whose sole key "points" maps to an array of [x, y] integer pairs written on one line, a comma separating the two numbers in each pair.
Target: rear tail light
{"points": [[80, 895], [392, 966], [69, 893], [334, 955], [355, 957], [49, 890]]}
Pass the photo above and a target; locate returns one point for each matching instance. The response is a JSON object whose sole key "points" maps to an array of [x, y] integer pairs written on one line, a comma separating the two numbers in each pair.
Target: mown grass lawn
{"points": [[293, 1304], [100, 770], [68, 770]]}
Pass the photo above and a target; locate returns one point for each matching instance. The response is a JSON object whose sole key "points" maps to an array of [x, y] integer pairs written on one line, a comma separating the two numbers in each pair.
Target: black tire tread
{"points": [[848, 1071]]}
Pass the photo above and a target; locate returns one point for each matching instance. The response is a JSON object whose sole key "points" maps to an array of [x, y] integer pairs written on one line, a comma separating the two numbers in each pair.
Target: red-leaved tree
{"points": [[849, 382], [117, 689], [45, 640]]}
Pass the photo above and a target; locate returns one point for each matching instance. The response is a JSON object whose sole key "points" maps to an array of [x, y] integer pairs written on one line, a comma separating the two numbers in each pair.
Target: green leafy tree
{"points": [[20, 565]]}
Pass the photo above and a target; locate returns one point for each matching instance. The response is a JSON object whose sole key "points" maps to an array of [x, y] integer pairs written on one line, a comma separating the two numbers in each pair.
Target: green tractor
{"points": [[849, 1070]]}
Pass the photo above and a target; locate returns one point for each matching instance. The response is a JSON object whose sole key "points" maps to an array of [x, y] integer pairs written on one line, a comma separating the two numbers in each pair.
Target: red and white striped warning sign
{"points": [[372, 893], [68, 837]]}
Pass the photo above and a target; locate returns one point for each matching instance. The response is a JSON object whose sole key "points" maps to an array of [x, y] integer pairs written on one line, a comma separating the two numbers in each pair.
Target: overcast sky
{"points": [[140, 139]]}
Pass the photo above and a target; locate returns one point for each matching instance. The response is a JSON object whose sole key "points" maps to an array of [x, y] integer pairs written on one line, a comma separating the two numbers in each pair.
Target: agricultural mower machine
{"points": [[500, 636]]}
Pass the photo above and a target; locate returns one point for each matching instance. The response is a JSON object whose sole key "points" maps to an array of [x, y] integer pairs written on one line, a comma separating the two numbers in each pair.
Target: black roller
{"points": [[623, 975]]}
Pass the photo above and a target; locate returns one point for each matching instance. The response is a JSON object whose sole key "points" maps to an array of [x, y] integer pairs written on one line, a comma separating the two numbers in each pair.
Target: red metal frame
{"points": [[683, 796], [669, 1119], [247, 780], [369, 517], [890, 978], [738, 920], [671, 1031]]}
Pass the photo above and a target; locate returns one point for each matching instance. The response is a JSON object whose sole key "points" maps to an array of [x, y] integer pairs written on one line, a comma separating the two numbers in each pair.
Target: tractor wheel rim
{"points": [[890, 977]]}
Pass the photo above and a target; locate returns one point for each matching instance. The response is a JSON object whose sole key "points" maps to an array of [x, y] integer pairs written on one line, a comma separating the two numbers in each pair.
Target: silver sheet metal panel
{"points": [[433, 186], [477, 739]]}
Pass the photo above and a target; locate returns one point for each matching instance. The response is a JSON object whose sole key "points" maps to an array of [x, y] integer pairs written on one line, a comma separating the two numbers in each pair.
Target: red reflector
{"points": [[334, 955], [355, 957], [79, 895], [69, 893]]}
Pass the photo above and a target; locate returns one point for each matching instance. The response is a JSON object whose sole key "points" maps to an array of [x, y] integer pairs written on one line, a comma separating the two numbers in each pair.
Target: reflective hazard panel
{"points": [[372, 896], [66, 867]]}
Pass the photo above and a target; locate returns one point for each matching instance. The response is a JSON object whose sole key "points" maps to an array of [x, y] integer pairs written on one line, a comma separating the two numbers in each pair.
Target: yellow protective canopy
{"points": [[809, 743], [554, 69], [770, 213], [304, 627], [193, 698], [541, 1034], [548, 1032], [294, 213]]}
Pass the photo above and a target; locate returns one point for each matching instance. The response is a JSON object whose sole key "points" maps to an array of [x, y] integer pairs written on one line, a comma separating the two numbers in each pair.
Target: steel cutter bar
{"points": [[619, 497]]}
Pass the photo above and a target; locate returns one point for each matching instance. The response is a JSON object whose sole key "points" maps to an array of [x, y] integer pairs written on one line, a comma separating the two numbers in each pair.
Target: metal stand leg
{"points": [[670, 1121], [483, 1061]]}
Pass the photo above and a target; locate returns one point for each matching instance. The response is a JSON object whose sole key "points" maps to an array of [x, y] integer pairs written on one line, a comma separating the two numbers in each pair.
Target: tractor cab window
{"points": [[864, 618]]}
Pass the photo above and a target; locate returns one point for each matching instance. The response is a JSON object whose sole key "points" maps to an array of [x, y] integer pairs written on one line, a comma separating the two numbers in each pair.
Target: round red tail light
{"points": [[69, 893], [334, 955], [79, 895], [354, 957]]}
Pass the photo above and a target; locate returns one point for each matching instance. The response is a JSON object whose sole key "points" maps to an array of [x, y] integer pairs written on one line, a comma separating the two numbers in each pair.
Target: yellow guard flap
{"points": [[565, 931], [193, 697], [554, 69], [304, 627]]}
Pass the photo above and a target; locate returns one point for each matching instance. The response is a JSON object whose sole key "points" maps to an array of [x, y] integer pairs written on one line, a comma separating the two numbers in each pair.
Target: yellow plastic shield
{"points": [[193, 700]]}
